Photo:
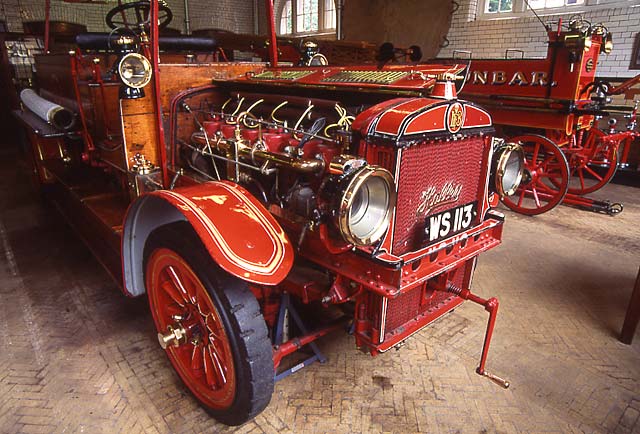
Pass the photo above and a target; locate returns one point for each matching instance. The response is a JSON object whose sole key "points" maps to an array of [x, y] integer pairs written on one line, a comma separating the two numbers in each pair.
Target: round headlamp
{"points": [[134, 70], [365, 205], [508, 168]]}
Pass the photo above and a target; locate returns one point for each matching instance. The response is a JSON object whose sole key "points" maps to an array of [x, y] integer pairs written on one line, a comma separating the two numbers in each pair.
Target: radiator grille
{"points": [[372, 77], [408, 306], [282, 75], [433, 164]]}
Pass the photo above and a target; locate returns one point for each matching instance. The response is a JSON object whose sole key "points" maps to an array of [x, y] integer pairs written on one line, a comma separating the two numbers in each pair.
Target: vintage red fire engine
{"points": [[550, 106], [236, 195]]}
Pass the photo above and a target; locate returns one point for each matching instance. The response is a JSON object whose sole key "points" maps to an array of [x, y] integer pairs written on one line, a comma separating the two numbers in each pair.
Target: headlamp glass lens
{"points": [[135, 70], [366, 206]]}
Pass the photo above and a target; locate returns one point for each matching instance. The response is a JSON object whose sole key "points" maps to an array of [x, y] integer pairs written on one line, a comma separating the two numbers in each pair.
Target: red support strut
{"points": [[273, 42]]}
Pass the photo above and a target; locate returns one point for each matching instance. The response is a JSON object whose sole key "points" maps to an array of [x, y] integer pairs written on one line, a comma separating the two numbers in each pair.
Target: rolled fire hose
{"points": [[54, 114]]}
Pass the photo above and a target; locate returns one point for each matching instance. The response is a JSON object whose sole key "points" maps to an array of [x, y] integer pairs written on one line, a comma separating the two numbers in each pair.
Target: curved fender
{"points": [[238, 232]]}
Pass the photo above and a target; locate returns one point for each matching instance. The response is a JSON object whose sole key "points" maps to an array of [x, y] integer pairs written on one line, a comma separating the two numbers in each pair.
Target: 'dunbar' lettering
{"points": [[519, 78]]}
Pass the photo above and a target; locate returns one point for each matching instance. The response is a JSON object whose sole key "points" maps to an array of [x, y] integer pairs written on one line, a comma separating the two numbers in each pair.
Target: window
{"points": [[329, 14], [490, 9], [498, 6], [307, 16], [286, 23], [540, 4]]}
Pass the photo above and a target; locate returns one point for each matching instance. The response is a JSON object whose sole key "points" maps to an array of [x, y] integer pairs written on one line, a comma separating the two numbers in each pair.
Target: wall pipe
{"points": [[256, 18], [339, 9], [187, 21], [47, 20]]}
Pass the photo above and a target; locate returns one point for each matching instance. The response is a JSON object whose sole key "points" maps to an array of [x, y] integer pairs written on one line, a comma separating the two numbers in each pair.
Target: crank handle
{"points": [[499, 381]]}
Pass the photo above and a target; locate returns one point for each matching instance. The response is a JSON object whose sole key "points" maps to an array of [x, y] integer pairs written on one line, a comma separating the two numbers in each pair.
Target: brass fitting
{"points": [[176, 335]]}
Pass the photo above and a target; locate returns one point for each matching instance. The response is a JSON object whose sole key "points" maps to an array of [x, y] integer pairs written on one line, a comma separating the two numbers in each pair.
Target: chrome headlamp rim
{"points": [[358, 179], [505, 152], [146, 66]]}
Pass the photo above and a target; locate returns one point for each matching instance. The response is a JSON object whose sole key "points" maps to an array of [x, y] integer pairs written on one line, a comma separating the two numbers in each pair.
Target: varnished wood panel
{"points": [[105, 105], [141, 137], [175, 78], [139, 127]]}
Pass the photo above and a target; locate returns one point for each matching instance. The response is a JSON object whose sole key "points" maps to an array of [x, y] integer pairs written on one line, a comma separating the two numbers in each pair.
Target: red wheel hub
{"points": [[179, 301]]}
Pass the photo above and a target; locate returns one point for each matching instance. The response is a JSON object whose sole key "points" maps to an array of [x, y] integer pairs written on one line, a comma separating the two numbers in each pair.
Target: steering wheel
{"points": [[577, 22], [136, 16]]}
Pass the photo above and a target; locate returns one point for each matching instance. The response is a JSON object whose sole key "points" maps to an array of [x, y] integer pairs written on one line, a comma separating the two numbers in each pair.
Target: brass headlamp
{"points": [[135, 73], [507, 168], [363, 198]]}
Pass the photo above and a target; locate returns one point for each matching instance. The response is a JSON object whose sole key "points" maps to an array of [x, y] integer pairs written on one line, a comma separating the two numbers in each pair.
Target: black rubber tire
{"points": [[244, 324]]}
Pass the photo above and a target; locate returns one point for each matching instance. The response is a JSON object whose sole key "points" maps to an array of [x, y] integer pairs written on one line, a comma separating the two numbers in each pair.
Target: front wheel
{"points": [[210, 325]]}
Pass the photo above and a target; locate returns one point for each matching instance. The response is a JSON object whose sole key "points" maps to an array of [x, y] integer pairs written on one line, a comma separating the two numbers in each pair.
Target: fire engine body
{"points": [[551, 106], [234, 195]]}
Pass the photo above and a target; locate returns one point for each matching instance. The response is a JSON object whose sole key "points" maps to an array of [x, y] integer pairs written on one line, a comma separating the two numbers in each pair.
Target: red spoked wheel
{"points": [[597, 152], [210, 325], [545, 181]]}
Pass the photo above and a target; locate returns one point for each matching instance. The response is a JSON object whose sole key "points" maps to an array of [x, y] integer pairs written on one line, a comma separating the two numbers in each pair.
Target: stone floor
{"points": [[78, 356]]}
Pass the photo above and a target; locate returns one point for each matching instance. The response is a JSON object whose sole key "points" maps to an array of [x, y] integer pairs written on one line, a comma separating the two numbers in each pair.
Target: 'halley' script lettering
{"points": [[432, 198]]}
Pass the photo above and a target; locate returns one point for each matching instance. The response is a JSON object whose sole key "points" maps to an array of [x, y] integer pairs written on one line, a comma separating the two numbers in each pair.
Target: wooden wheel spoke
{"points": [[535, 196], [215, 372], [549, 163], [208, 367], [197, 361], [191, 289], [173, 292], [536, 151], [174, 310], [214, 329], [581, 177], [593, 173], [178, 283], [220, 370]]}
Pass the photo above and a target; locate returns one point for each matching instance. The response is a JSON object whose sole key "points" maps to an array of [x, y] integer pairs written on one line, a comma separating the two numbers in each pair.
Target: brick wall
{"points": [[91, 15], [490, 38], [233, 15]]}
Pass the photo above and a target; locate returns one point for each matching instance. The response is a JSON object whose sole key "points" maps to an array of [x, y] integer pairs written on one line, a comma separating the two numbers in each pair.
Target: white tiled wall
{"points": [[490, 38], [233, 15]]}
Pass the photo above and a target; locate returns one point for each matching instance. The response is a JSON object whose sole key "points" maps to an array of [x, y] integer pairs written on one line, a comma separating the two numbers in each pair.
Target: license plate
{"points": [[449, 222]]}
